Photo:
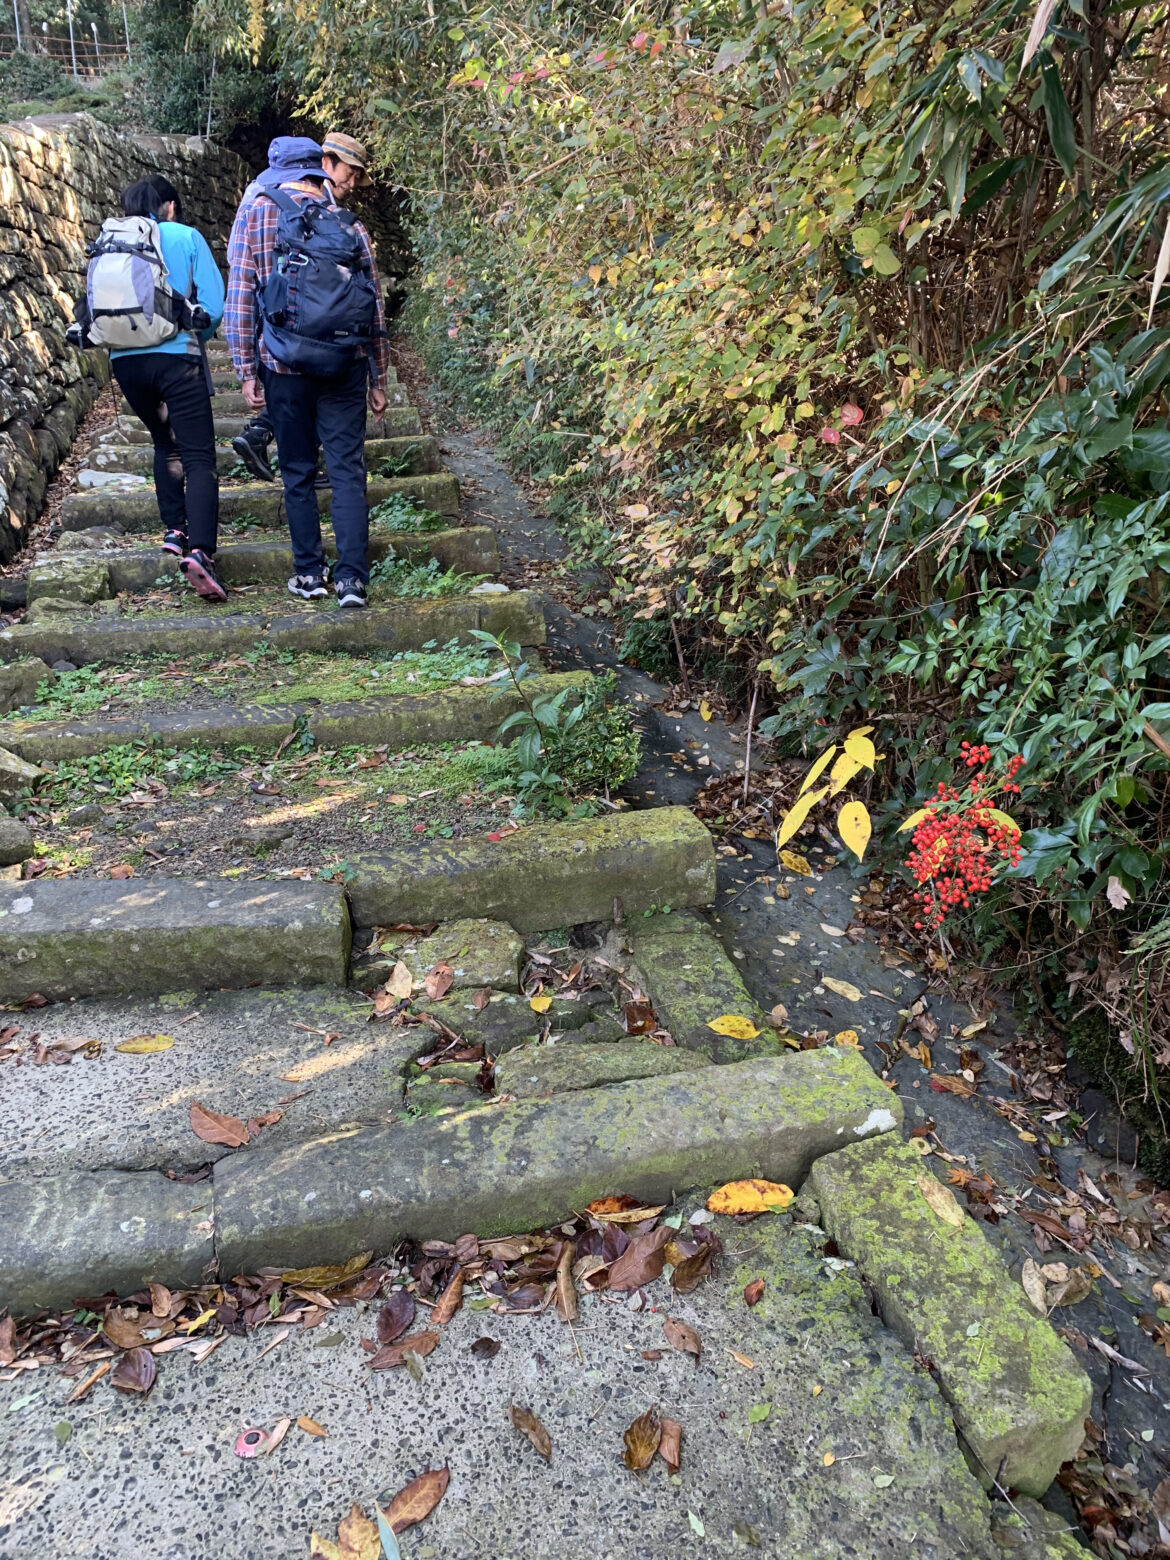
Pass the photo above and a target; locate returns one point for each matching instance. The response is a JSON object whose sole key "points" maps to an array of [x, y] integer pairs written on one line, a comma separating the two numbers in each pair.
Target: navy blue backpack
{"points": [[318, 306]]}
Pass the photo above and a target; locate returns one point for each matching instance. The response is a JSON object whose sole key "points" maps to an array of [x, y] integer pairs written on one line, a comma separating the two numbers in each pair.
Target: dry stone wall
{"points": [[60, 176]]}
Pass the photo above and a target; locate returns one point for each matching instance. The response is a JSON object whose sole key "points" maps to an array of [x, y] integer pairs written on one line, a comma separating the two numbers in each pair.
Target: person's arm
{"points": [[240, 312], [381, 351], [208, 282]]}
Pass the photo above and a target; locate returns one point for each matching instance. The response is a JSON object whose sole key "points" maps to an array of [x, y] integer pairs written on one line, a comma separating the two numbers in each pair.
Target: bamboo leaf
{"points": [[1161, 267], [1037, 30]]}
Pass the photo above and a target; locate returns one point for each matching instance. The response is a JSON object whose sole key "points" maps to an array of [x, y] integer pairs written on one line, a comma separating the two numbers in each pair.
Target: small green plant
{"points": [[400, 512], [398, 464], [564, 751], [398, 577]]}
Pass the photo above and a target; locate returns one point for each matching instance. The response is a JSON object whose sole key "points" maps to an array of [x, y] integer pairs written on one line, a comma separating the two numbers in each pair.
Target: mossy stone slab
{"points": [[508, 1019], [418, 456], [262, 502], [72, 578], [468, 549], [94, 937], [533, 1072], [517, 1167], [16, 841], [542, 876], [84, 1233], [229, 403], [480, 952], [15, 775], [1018, 1396], [691, 981], [395, 422], [263, 727]]}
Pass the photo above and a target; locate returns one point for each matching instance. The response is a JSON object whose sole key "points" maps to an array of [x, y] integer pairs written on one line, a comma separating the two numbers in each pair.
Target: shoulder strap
{"points": [[286, 203]]}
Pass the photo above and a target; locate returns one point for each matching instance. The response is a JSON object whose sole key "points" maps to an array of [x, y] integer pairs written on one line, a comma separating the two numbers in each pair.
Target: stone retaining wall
{"points": [[60, 176]]}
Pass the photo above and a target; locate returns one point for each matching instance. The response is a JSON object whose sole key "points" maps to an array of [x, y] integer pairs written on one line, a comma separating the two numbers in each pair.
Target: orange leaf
{"points": [[417, 1500], [123, 871], [214, 1128], [311, 1427], [750, 1197]]}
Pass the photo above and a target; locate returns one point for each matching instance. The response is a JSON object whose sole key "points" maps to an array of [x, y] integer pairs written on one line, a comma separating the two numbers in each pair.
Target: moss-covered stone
{"points": [[261, 502], [508, 1169], [543, 876], [93, 937], [1095, 1048], [20, 682], [395, 422], [16, 841], [534, 1072], [71, 578], [68, 1235], [419, 456], [691, 981], [263, 727], [480, 953], [1018, 1396], [15, 775]]}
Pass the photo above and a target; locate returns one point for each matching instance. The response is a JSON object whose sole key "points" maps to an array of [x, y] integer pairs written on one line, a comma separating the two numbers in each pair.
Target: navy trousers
{"points": [[309, 415]]}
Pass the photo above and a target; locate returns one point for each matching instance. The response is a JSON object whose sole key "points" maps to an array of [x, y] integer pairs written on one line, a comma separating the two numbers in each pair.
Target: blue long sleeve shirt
{"points": [[188, 261]]}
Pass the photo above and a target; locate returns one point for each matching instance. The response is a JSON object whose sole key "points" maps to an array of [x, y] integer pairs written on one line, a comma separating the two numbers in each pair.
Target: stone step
{"points": [[223, 373], [504, 1170], [1018, 1395], [231, 403], [398, 722], [418, 456], [395, 422], [136, 509], [690, 980], [534, 1072], [87, 937], [542, 877], [407, 625], [469, 549]]}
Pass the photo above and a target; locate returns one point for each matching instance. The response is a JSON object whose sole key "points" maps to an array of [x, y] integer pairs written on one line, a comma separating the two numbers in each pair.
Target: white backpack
{"points": [[129, 298]]}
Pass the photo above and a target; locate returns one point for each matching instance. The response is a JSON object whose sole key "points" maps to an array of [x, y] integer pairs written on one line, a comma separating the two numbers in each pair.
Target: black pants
{"points": [[168, 393], [308, 415]]}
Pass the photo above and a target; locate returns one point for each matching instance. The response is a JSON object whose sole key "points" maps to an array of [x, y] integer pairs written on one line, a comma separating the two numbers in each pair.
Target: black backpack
{"points": [[318, 308]]}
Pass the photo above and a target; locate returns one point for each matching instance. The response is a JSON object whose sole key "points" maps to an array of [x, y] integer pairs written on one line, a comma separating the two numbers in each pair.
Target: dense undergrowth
{"points": [[839, 330]]}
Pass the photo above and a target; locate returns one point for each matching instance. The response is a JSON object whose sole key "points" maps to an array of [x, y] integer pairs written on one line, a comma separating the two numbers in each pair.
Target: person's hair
{"points": [[147, 197]]}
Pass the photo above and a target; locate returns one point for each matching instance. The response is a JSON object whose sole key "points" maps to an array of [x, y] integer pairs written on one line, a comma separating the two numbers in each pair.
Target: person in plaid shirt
{"points": [[309, 413]]}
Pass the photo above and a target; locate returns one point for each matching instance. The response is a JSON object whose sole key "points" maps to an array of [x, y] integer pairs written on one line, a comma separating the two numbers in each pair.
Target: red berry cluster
{"points": [[959, 848]]}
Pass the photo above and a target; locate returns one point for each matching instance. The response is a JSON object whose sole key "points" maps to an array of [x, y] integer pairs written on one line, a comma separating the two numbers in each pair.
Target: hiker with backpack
{"points": [[343, 160], [154, 295], [306, 330]]}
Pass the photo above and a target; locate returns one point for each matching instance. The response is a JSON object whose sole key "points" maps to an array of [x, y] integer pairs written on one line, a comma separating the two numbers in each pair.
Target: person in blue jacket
{"points": [[169, 389]]}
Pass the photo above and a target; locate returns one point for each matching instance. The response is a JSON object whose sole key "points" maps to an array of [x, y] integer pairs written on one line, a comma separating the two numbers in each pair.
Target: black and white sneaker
{"points": [[350, 593], [253, 451], [309, 587]]}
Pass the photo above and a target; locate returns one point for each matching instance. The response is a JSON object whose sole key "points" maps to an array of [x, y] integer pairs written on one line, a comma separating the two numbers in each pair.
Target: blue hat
{"points": [[291, 157]]}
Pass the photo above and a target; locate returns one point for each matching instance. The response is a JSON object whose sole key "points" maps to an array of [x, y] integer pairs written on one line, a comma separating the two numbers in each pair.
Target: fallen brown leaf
{"points": [[481, 998], [130, 1332], [448, 1302], [125, 870], [642, 1440], [566, 1295], [311, 1427], [417, 1500], [528, 1424], [134, 1372], [401, 982], [395, 1316], [691, 1271], [329, 1276], [394, 1354], [211, 1127], [681, 1337], [670, 1444], [642, 1261], [92, 1379], [439, 980], [268, 1119], [357, 1539], [486, 1348], [754, 1292]]}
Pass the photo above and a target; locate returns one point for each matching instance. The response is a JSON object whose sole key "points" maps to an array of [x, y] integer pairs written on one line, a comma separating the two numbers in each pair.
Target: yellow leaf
{"points": [[637, 511], [401, 982], [733, 1025], [893, 485], [750, 1197], [795, 863], [1027, 1137], [1004, 821], [798, 812], [327, 1277], [396, 799], [611, 275], [843, 988], [705, 710], [357, 1539], [815, 772], [862, 750], [540, 1004], [146, 1045], [847, 1037], [913, 821], [843, 771], [861, 731], [200, 1321], [595, 274], [828, 1459], [854, 827], [940, 1198]]}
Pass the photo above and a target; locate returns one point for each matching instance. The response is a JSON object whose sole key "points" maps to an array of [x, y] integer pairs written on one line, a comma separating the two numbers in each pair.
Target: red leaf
{"points": [[830, 436], [852, 415]]}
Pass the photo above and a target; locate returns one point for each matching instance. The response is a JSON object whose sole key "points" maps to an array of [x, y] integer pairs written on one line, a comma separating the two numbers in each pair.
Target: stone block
{"points": [[690, 980], [16, 842], [83, 580], [514, 1168], [480, 953], [1018, 1396], [16, 775], [19, 682], [533, 1072], [542, 876], [92, 937]]}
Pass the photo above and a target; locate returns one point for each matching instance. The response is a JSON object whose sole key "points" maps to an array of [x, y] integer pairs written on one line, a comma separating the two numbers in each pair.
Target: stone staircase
{"points": [[249, 817]]}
